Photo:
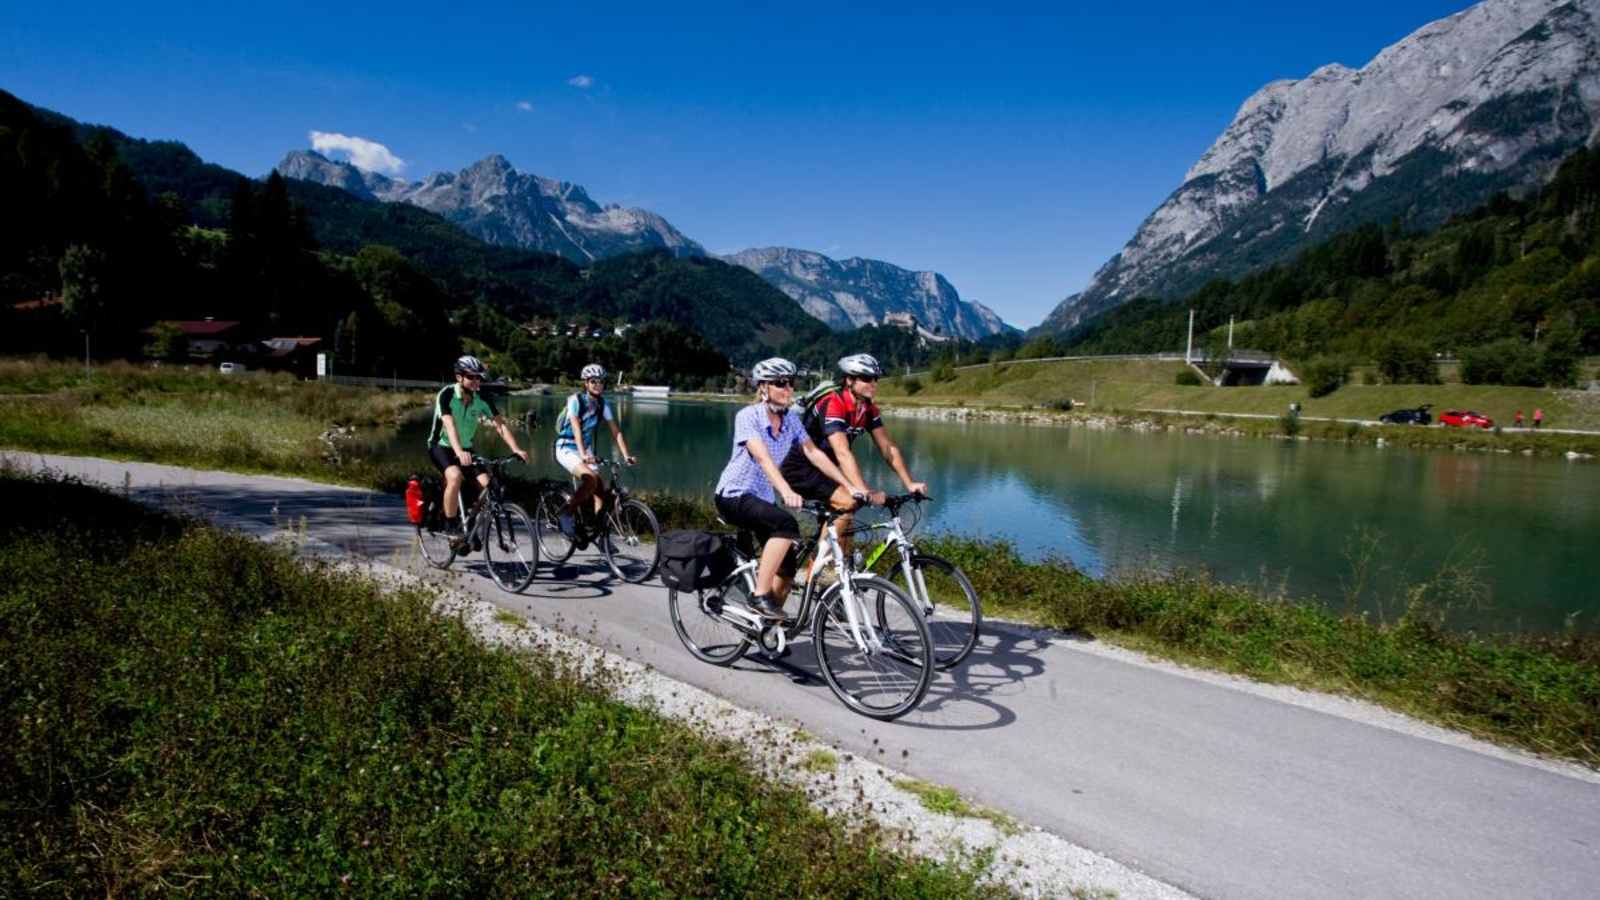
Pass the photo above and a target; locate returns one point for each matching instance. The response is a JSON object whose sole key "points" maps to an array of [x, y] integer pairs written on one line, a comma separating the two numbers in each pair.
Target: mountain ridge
{"points": [[853, 292], [1485, 100]]}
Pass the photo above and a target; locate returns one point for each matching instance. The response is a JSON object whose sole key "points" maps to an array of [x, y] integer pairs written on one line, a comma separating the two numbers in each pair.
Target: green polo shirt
{"points": [[467, 415]]}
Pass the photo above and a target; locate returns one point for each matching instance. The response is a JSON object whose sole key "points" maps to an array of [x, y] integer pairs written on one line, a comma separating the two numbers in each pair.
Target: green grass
{"points": [[1129, 390], [192, 712], [820, 761], [946, 801], [1131, 385], [196, 417]]}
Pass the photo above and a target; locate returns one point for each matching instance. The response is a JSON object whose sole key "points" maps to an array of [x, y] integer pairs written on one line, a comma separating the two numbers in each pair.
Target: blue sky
{"points": [[1014, 151]]}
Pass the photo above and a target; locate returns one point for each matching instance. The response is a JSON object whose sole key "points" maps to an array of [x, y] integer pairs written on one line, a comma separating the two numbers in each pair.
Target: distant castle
{"points": [[908, 322]]}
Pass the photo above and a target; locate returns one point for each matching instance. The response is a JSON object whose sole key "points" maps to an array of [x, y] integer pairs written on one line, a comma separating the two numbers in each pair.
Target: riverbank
{"points": [[1144, 395], [317, 733]]}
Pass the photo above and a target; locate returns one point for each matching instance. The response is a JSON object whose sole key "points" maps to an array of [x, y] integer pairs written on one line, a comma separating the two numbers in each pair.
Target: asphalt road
{"points": [[1213, 785]]}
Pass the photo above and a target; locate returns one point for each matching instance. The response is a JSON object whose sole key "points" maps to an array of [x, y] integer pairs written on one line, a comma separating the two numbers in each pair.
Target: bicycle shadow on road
{"points": [[965, 698]]}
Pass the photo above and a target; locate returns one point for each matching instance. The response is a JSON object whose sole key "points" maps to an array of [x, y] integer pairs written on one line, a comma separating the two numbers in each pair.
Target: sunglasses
{"points": [[782, 382], [871, 378]]}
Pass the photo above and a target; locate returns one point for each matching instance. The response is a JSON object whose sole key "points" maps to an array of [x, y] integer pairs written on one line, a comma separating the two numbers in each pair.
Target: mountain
{"points": [[493, 201], [850, 293], [1487, 100]]}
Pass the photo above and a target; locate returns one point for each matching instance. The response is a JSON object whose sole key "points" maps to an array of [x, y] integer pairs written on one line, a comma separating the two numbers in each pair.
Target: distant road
{"points": [[1222, 787]]}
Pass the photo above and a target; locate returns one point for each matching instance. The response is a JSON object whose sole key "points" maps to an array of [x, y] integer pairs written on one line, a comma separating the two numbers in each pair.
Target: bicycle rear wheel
{"points": [[432, 539], [890, 676], [512, 549], [554, 546], [697, 618], [950, 605], [631, 548]]}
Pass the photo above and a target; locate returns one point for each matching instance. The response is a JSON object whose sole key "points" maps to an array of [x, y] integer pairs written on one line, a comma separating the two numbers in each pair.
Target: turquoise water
{"points": [[1347, 526]]}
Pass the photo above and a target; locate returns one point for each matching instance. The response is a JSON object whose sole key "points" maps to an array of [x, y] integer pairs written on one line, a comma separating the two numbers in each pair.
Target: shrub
{"points": [[1289, 424], [1509, 361], [1188, 377], [1326, 374], [944, 372], [912, 384], [1404, 361]]}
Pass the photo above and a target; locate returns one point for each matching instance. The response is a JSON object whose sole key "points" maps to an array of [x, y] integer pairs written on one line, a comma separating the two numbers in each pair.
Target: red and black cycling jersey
{"points": [[841, 412]]}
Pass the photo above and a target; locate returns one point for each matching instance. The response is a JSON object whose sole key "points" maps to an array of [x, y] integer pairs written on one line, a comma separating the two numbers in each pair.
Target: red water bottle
{"points": [[414, 500]]}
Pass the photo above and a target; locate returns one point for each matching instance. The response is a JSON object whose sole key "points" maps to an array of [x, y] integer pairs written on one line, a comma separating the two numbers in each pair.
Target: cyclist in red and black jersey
{"points": [[841, 416]]}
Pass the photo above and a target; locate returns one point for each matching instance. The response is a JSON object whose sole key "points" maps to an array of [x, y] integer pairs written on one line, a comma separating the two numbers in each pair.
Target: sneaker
{"points": [[767, 607]]}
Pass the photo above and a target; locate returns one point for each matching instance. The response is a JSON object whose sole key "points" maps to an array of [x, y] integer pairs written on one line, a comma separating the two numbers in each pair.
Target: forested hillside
{"points": [[1513, 289], [129, 232]]}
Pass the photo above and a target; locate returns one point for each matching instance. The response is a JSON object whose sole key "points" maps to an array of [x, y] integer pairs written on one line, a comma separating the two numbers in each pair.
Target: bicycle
{"points": [[500, 528], [860, 620], [949, 602], [625, 530]]}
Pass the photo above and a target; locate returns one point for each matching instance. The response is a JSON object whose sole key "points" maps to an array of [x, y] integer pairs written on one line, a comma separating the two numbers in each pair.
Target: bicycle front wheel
{"points": [[950, 605], [697, 618], [511, 548], [881, 668], [432, 539], [554, 546], [631, 547]]}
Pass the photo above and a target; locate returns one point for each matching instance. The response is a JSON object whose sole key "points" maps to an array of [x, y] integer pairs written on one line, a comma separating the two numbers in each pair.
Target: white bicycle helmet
{"points": [[861, 366], [471, 365], [772, 369], [593, 370]]}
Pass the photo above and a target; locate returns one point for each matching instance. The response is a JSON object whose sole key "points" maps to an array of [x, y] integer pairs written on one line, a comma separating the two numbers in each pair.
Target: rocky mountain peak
{"points": [[494, 201], [854, 292], [1484, 100]]}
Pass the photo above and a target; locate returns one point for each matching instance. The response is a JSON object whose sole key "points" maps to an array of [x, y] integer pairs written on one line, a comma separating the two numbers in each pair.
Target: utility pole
{"points": [[1230, 335], [1188, 352]]}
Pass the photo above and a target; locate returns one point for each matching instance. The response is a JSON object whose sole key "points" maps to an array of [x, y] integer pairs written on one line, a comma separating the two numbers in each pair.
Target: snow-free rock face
{"points": [[1488, 99], [854, 292], [492, 200]]}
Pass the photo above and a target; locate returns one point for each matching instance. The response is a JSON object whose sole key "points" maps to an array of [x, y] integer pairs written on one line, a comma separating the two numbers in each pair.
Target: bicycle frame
{"points": [[828, 552], [901, 542]]}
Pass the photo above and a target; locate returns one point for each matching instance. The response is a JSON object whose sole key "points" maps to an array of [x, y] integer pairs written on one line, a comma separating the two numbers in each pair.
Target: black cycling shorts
{"points": [[762, 519], [443, 457], [806, 479]]}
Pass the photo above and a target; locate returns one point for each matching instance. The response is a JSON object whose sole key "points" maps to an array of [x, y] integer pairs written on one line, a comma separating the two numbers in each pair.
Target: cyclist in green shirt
{"points": [[458, 410]]}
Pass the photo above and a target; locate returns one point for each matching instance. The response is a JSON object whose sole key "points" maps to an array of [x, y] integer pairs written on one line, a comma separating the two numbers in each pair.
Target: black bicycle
{"points": [[625, 530], [498, 527]]}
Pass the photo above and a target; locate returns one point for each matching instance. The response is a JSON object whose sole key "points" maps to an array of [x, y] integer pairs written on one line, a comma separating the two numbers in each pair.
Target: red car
{"points": [[1465, 419]]}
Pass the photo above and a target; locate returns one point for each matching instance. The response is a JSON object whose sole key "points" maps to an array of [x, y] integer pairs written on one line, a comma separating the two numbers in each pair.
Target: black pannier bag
{"points": [[696, 560]]}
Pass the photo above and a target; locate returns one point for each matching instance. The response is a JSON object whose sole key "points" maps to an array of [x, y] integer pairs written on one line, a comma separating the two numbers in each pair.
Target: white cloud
{"points": [[366, 155], [525, 106], [581, 81]]}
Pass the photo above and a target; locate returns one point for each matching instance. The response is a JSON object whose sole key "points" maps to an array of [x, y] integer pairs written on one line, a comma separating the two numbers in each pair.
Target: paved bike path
{"points": [[1217, 786]]}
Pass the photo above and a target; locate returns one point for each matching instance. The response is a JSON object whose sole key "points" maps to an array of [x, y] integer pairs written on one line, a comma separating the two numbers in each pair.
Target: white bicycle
{"points": [[870, 637]]}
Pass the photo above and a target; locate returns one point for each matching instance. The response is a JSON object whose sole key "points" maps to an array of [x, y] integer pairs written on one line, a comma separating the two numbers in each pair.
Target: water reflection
{"points": [[1316, 520]]}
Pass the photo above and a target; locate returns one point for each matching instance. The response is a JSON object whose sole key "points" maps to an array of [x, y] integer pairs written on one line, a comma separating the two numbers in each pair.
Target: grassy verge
{"points": [[191, 711], [196, 417]]}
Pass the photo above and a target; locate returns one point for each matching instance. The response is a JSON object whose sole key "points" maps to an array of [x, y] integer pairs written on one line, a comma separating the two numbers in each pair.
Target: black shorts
{"points": [[443, 458], [806, 479], [762, 519]]}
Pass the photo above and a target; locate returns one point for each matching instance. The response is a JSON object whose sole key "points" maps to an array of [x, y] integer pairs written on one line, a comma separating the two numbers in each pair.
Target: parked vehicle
{"points": [[1465, 419], [231, 368], [1417, 416]]}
